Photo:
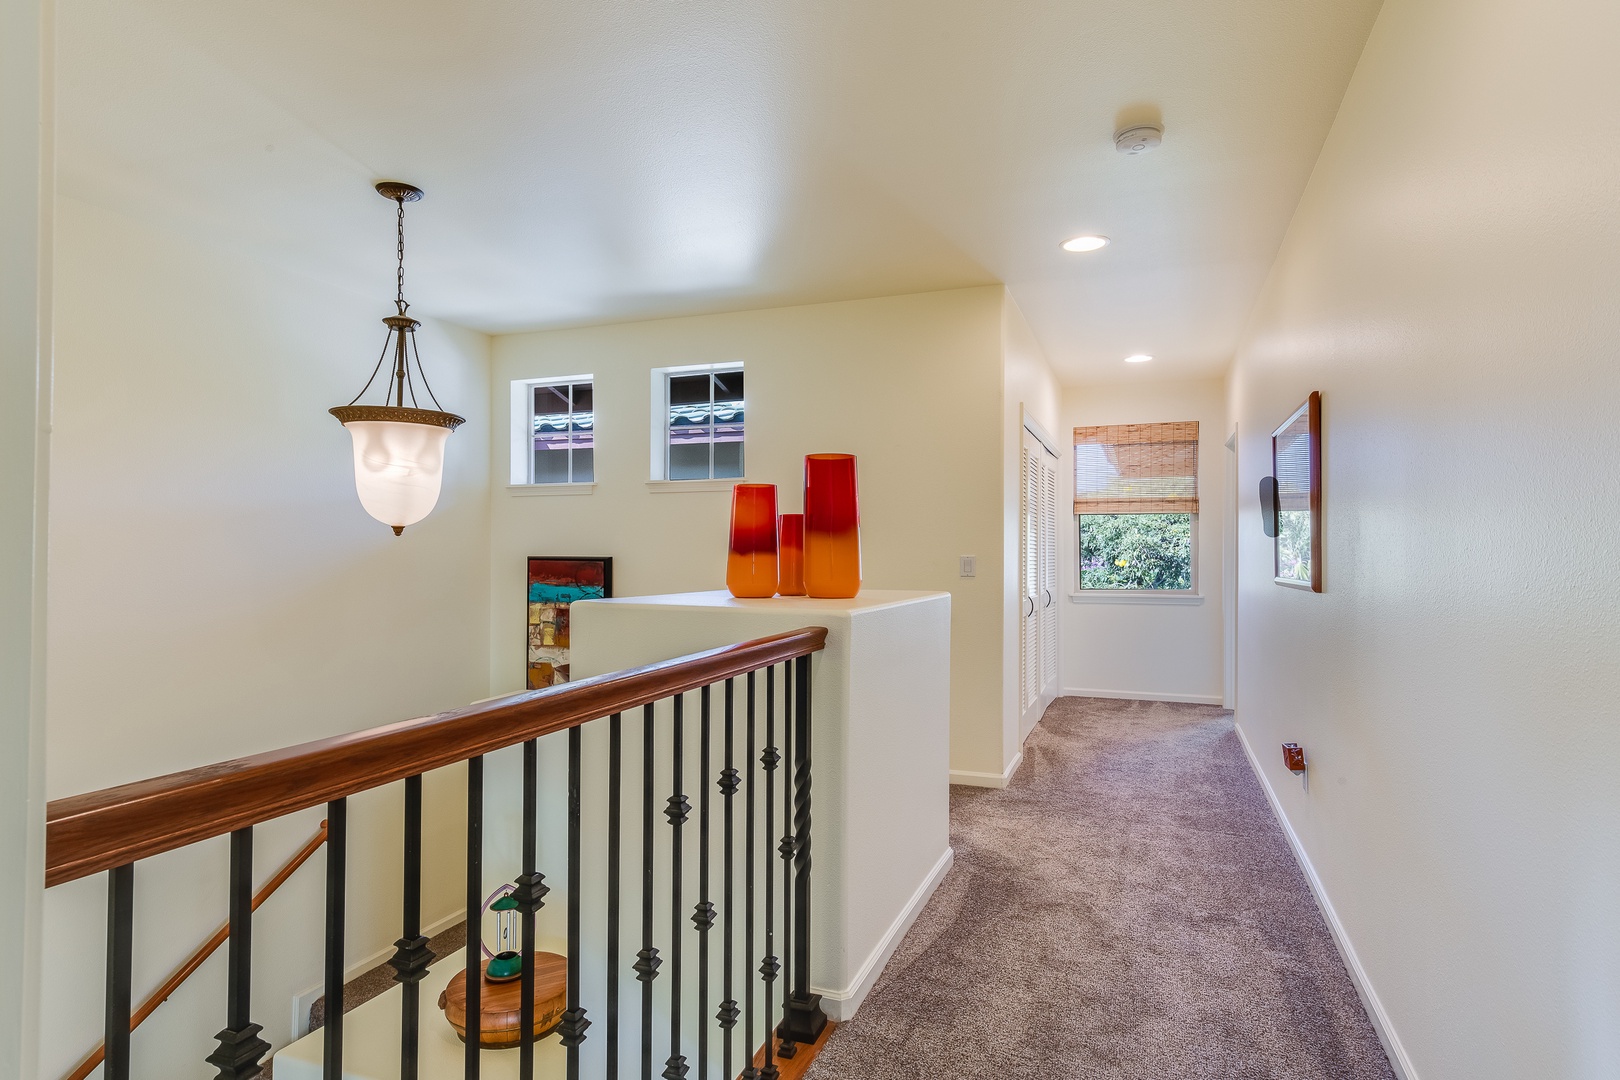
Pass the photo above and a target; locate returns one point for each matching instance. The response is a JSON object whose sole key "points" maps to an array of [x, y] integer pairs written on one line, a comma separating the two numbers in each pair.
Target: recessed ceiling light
{"points": [[1085, 243], [1139, 358]]}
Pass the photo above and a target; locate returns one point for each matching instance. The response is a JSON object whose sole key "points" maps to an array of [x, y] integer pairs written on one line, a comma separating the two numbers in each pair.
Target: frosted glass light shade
{"points": [[398, 461]]}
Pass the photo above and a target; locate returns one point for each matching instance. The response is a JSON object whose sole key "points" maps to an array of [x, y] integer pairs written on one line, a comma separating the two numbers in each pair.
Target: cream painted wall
{"points": [[217, 590], [902, 382], [1449, 285], [1147, 648], [26, 198], [1027, 384]]}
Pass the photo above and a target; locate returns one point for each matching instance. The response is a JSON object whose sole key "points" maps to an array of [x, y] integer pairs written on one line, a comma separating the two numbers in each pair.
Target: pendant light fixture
{"points": [[398, 448]]}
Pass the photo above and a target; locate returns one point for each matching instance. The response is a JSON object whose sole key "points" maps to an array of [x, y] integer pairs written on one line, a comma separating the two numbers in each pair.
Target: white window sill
{"points": [[550, 489], [667, 486], [1127, 596]]}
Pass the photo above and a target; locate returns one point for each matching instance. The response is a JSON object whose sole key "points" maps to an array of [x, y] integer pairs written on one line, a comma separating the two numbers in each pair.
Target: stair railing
{"points": [[108, 831], [189, 966]]}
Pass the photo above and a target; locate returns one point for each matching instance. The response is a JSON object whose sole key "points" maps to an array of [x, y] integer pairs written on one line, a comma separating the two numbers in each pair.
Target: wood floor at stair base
{"points": [[794, 1067]]}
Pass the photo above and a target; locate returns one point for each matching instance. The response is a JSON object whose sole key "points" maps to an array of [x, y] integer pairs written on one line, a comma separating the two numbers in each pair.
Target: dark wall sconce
{"points": [[1268, 505], [1294, 757]]}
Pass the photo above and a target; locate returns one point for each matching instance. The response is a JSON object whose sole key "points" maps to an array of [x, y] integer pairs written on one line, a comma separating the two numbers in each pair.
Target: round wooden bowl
{"points": [[499, 1003]]}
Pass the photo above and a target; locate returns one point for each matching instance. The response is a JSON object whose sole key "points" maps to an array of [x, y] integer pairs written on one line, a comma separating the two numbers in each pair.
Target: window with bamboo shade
{"points": [[1135, 495]]}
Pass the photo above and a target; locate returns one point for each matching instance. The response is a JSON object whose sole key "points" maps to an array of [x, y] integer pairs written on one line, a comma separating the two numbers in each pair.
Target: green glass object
{"points": [[508, 962], [503, 966]]}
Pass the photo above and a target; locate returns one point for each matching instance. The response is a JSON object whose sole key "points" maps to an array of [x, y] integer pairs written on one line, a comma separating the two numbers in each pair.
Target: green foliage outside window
{"points": [[1294, 545], [1136, 551]]}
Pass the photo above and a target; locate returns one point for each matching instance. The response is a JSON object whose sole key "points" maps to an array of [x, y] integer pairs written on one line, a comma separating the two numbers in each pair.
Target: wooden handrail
{"points": [[86, 834], [203, 952]]}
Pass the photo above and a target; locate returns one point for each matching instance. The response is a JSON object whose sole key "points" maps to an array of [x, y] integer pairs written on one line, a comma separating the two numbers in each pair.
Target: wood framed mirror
{"points": [[1296, 462]]}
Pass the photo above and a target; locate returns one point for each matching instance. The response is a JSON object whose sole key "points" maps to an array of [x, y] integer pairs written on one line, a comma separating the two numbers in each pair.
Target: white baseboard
{"points": [[301, 1003], [840, 1005], [988, 779], [1146, 695], [1398, 1059]]}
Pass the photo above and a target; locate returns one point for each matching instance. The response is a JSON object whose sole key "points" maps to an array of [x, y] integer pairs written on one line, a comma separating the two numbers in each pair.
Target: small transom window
{"points": [[562, 430], [703, 424]]}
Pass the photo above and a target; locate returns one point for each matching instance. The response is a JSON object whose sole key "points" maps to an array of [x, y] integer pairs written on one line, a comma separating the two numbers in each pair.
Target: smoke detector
{"points": [[1139, 139]]}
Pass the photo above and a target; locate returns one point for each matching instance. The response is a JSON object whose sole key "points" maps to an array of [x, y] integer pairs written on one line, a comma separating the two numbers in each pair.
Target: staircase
{"points": [[711, 924]]}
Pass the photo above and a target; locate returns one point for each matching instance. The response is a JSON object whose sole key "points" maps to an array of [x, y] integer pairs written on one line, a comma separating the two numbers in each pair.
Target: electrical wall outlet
{"points": [[969, 566]]}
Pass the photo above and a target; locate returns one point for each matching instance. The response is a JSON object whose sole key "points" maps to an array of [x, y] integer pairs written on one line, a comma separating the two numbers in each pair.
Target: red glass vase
{"points": [[751, 564], [790, 555], [832, 526]]}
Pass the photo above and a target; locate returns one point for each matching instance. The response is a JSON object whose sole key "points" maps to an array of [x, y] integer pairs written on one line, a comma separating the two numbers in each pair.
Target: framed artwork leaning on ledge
{"points": [[554, 584]]}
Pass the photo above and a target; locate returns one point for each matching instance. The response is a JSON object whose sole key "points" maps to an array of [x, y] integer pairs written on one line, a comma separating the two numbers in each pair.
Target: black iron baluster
{"points": [[615, 791], [647, 961], [703, 914], [749, 1071], [676, 811], [475, 914], [337, 852], [531, 843], [728, 788], [573, 1023], [787, 1048], [240, 1048], [804, 1019], [120, 970], [530, 896], [411, 954], [769, 966]]}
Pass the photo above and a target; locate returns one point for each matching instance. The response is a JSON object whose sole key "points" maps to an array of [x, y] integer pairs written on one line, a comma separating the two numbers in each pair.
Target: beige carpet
{"points": [[1128, 908], [362, 988]]}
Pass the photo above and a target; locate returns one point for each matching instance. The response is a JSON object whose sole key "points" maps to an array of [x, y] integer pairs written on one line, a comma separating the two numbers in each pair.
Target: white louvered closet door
{"points": [[1029, 576], [1048, 593]]}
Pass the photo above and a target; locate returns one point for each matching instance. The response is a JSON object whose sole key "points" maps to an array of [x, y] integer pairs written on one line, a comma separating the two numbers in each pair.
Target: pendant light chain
{"points": [[399, 295]]}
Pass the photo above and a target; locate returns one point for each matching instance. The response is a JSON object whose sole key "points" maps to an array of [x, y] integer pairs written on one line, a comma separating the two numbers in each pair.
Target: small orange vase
{"points": [[751, 564], [790, 555], [832, 527]]}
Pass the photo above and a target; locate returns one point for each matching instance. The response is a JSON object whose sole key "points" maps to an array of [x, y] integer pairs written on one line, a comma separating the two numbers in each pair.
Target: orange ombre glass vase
{"points": [[790, 555], [751, 564], [832, 527]]}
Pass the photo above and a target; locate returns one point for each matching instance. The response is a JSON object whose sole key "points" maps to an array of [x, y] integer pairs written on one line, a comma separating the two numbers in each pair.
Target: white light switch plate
{"points": [[969, 565]]}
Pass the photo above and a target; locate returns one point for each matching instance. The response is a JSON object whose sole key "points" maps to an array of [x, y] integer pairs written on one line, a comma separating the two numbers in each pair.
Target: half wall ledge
{"points": [[880, 706]]}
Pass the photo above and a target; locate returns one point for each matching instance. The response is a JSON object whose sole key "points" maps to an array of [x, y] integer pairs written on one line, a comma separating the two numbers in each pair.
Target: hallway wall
{"points": [[1028, 386], [26, 196], [1449, 285]]}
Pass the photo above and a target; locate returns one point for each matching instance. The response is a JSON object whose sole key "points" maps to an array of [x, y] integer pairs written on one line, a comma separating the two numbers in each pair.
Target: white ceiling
{"points": [[599, 160]]}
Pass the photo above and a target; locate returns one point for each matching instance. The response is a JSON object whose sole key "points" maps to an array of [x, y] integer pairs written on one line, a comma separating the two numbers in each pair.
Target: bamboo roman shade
{"points": [[1136, 469]]}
